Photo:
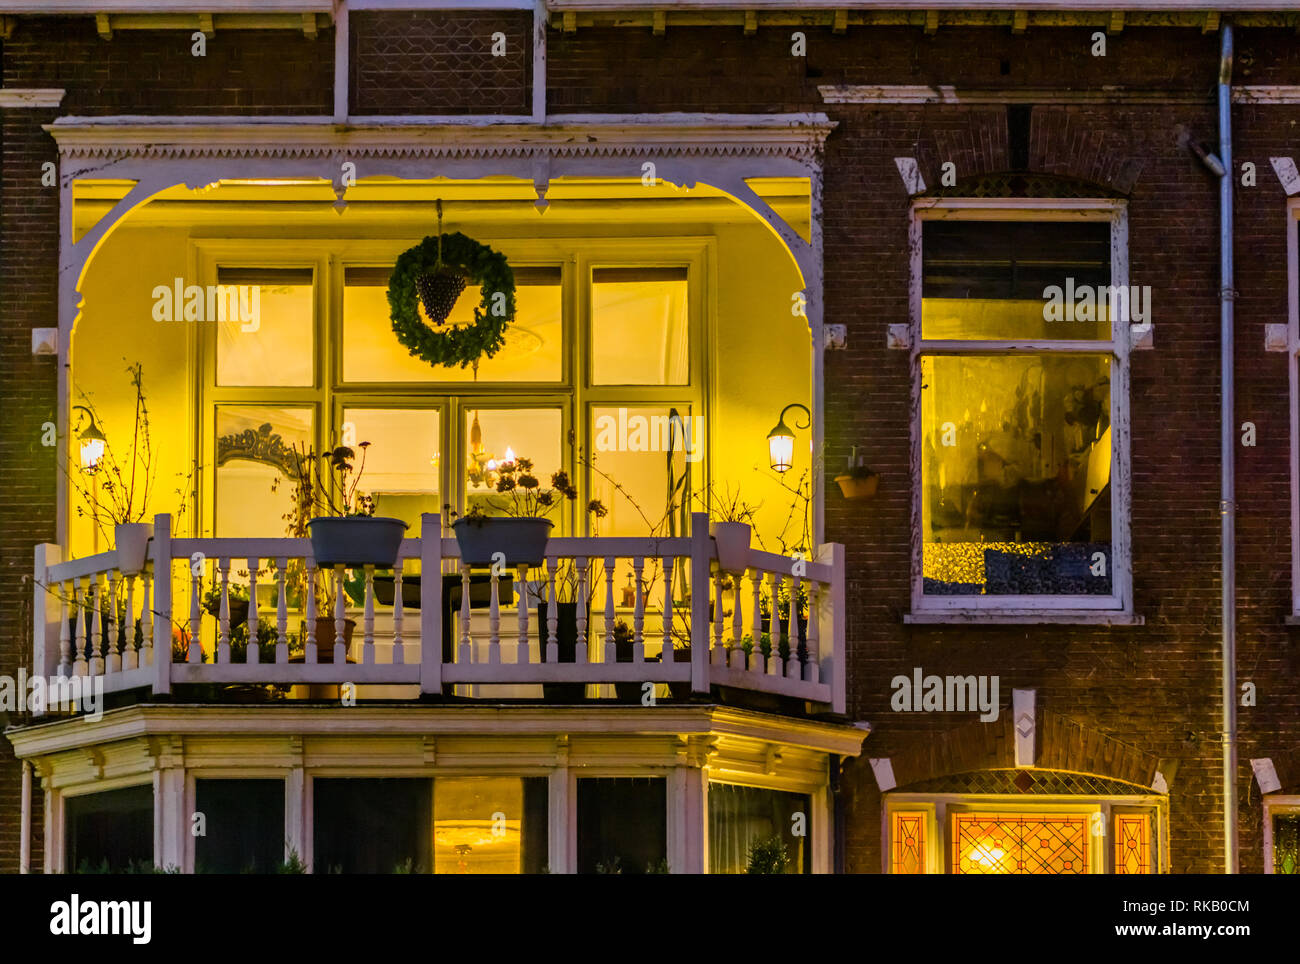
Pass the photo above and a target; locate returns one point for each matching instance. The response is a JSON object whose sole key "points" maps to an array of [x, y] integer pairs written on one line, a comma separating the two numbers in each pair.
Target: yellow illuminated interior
{"points": [[700, 322], [477, 825]]}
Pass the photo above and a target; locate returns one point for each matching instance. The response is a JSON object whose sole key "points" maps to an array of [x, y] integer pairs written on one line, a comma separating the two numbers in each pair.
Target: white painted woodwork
{"points": [[254, 655]]}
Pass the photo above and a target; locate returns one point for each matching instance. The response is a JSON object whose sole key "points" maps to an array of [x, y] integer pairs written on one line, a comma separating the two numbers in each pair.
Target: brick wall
{"points": [[28, 299], [427, 62]]}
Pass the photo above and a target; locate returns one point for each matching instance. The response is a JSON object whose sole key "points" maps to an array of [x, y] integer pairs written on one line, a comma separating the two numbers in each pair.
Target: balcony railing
{"points": [[144, 630]]}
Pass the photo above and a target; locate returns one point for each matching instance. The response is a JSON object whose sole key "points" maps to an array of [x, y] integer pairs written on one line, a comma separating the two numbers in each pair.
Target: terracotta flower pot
{"points": [[858, 487]]}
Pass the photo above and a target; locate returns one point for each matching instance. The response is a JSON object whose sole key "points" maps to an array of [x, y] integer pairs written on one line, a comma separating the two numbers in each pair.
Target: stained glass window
{"points": [[1005, 843], [909, 843], [1132, 843], [1286, 843]]}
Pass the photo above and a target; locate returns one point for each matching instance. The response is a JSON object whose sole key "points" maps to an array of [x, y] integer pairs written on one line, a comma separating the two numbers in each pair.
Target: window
{"points": [[740, 817], [109, 832], [1022, 365], [489, 825], [1281, 834], [375, 826], [972, 834], [243, 826], [622, 825], [321, 366]]}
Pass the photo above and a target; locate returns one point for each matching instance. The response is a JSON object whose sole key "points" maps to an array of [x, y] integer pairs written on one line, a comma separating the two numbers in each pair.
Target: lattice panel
{"points": [[999, 843], [1286, 843], [908, 843], [1027, 782], [1022, 185], [1132, 843]]}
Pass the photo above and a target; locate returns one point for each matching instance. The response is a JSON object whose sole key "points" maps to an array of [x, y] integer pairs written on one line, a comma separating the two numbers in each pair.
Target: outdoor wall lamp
{"points": [[92, 443], [780, 441]]}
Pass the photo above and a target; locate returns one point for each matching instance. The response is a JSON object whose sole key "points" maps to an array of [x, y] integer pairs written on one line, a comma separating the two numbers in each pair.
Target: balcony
{"points": [[152, 635]]}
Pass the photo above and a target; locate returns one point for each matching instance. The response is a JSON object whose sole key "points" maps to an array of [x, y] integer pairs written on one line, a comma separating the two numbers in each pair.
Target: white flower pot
{"points": [[131, 539], [732, 539]]}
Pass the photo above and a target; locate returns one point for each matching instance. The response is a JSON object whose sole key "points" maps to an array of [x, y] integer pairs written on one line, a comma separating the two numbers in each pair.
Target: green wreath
{"points": [[484, 267]]}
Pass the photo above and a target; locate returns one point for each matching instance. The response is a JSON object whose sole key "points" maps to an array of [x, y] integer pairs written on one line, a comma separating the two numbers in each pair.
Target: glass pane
{"points": [[254, 450], [533, 351], [244, 824], [1132, 843], [908, 843], [622, 825], [1016, 462], [640, 332], [372, 826], [1008, 280], [750, 828], [479, 825], [631, 447], [271, 339], [403, 460], [498, 435], [1004, 843], [109, 832], [1286, 843]]}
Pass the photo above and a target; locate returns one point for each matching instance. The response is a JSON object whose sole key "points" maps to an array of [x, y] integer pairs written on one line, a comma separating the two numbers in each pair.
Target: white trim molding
{"points": [[31, 97], [1275, 806]]}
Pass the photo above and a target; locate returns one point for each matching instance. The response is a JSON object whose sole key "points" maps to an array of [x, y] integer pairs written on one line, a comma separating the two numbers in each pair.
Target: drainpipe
{"points": [[1228, 504]]}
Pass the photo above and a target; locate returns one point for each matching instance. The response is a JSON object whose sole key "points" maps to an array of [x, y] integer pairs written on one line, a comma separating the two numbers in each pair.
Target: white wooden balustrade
{"points": [[689, 623]]}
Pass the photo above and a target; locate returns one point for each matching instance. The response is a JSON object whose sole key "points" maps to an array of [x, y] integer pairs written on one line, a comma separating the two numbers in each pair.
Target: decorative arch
{"points": [[1062, 745]]}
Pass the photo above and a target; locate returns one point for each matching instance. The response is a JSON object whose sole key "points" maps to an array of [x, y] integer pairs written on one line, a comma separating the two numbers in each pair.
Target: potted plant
{"points": [[767, 855], [859, 481], [347, 531], [522, 530], [730, 523], [117, 488]]}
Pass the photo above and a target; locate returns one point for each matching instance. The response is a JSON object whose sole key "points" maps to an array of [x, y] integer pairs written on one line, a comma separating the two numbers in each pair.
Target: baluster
{"points": [[580, 647], [494, 618], [97, 628], [610, 655], [521, 601], [466, 642], [368, 638], [757, 663], [638, 614], [737, 655], [79, 665], [812, 664], [146, 621], [552, 615], [282, 611], [114, 660], [399, 652], [719, 655], [223, 613], [254, 653], [666, 654], [774, 626], [792, 665], [309, 647], [340, 617], [65, 633], [195, 653], [128, 626]]}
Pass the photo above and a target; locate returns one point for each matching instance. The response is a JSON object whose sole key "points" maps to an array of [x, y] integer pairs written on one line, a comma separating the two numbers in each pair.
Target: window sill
{"points": [[1293, 619], [1007, 617]]}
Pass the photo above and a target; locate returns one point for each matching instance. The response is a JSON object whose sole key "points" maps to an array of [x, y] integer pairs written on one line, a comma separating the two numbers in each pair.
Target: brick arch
{"points": [[1066, 142], [1061, 744]]}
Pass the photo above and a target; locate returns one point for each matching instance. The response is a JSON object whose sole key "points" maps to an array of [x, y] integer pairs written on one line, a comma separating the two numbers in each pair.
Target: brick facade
{"points": [[1152, 690]]}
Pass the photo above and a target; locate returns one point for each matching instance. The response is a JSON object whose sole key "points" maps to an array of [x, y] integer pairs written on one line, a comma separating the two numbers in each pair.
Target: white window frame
{"points": [[1118, 606], [938, 806], [1293, 376], [1275, 804]]}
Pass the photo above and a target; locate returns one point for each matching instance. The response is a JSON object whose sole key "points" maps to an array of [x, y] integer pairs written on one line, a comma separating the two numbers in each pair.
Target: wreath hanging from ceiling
{"points": [[434, 273]]}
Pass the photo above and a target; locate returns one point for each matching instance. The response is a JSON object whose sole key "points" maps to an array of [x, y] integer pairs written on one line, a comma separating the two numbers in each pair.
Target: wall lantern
{"points": [[780, 441], [92, 443]]}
